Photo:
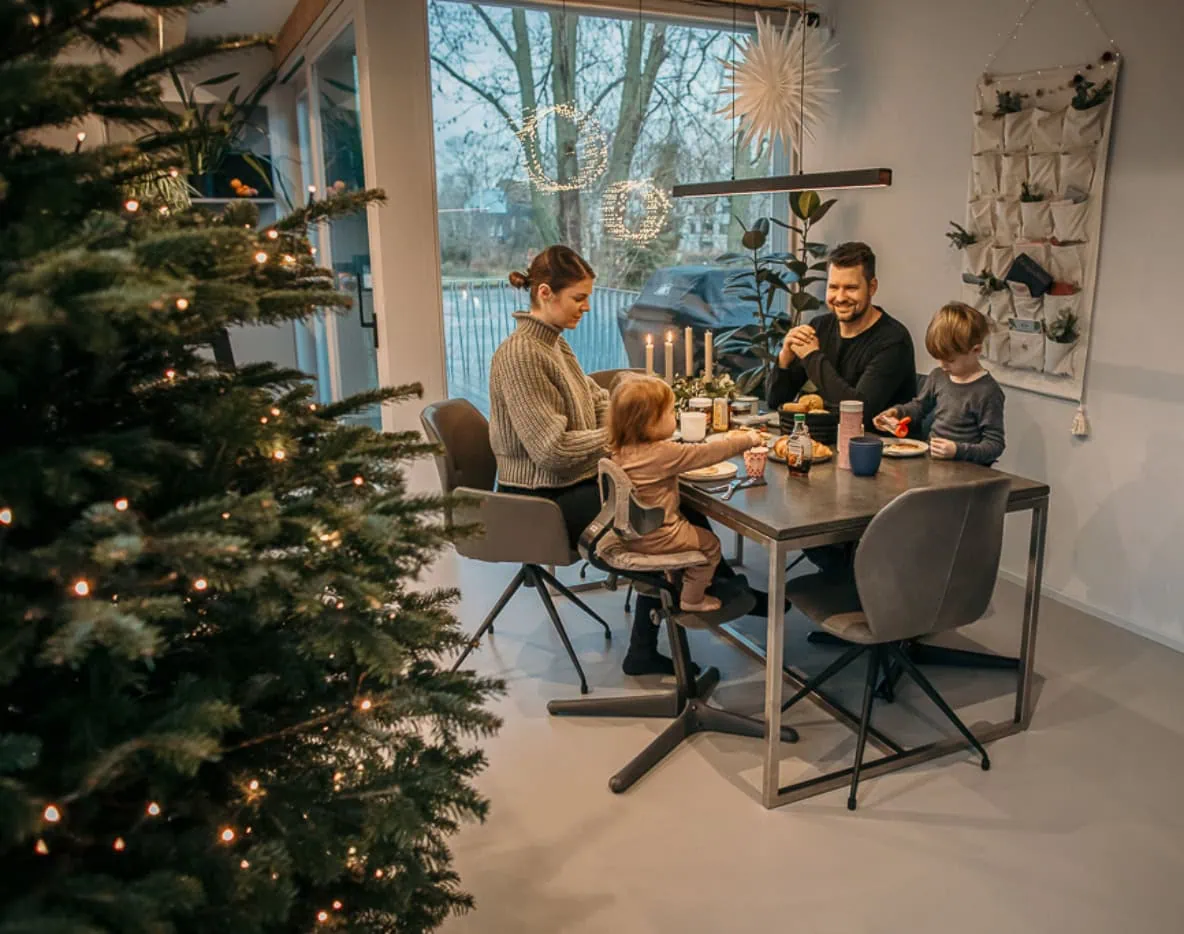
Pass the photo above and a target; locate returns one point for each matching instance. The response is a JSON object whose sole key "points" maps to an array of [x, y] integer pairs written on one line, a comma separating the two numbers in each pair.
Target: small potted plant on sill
{"points": [[1060, 337]]}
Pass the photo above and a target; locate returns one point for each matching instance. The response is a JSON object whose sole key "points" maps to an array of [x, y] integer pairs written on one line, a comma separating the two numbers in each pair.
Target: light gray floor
{"points": [[1077, 828]]}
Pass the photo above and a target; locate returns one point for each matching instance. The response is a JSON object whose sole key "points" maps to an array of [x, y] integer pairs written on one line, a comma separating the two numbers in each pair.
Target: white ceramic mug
{"points": [[693, 426]]}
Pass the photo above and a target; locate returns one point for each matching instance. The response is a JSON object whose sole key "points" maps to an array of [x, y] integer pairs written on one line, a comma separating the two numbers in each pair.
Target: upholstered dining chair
{"points": [[602, 544], [926, 564], [525, 530]]}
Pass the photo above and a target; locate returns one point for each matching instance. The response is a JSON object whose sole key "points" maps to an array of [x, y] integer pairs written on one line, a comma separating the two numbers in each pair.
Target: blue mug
{"points": [[865, 453]]}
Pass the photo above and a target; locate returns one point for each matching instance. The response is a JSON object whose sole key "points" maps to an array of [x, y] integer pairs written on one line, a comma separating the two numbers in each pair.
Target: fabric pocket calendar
{"points": [[1069, 220], [980, 219], [1023, 303], [997, 350], [973, 296], [1067, 263], [1001, 309], [1001, 257], [975, 258]]}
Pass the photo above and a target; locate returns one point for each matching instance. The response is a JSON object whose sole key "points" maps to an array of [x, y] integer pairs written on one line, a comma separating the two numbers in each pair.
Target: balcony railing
{"points": [[477, 318]]}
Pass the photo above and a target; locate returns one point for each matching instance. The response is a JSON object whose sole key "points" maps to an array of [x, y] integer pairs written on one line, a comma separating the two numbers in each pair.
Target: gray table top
{"points": [[830, 501]]}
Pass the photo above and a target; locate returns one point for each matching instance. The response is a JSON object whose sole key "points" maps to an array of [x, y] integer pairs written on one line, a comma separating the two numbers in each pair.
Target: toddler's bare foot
{"points": [[706, 605]]}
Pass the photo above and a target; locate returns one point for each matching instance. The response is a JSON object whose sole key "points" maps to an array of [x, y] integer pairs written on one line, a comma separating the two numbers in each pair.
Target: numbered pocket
{"points": [[1076, 172], [1017, 131], [1036, 220], [1069, 220], [1001, 257], [1013, 174], [1067, 263], [976, 259], [986, 174], [981, 218], [1025, 350], [1047, 128], [1084, 127], [1007, 222], [988, 133], [1059, 358], [1042, 172]]}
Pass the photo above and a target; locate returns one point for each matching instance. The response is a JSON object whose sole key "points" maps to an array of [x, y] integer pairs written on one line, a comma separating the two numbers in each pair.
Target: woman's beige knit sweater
{"points": [[546, 419]]}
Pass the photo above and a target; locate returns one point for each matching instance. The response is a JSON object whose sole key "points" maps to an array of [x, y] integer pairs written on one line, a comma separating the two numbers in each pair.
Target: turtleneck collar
{"points": [[537, 329]]}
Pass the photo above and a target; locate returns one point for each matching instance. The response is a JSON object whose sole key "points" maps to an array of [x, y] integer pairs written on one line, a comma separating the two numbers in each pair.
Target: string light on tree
{"points": [[122, 504], [119, 846], [261, 257], [337, 906], [273, 234], [322, 916], [5, 516], [182, 304], [170, 375], [591, 148], [81, 588], [366, 704], [201, 584], [227, 835], [42, 848], [620, 197], [279, 454], [358, 481], [131, 206], [51, 814], [153, 809], [244, 865]]}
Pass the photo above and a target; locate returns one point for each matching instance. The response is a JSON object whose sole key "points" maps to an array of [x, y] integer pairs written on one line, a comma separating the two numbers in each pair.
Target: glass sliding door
{"points": [[652, 88]]}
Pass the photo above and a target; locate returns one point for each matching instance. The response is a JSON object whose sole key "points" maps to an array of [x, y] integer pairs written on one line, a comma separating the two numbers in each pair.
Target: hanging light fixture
{"points": [[765, 115]]}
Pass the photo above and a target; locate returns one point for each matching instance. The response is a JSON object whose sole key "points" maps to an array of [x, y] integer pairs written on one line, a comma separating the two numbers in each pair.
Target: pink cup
{"points": [[754, 462]]}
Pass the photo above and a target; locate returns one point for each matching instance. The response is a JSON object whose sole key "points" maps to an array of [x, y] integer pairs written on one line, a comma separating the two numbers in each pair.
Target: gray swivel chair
{"points": [[926, 564], [624, 518], [524, 530]]}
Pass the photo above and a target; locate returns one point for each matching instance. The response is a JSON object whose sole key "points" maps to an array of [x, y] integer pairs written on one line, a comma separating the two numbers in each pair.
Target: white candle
{"points": [[649, 355], [707, 355], [690, 342], [670, 356]]}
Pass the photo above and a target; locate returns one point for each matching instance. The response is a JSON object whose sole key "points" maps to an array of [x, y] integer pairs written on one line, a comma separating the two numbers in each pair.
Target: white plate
{"points": [[714, 472], [905, 447]]}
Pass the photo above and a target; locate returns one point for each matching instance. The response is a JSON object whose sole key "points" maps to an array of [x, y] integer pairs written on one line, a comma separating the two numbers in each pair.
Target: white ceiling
{"points": [[240, 17]]}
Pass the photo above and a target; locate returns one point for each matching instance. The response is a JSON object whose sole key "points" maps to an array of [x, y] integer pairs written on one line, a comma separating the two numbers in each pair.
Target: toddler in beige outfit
{"points": [[641, 423]]}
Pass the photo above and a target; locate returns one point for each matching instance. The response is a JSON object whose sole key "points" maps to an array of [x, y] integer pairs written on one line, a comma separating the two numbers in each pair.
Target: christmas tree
{"points": [[224, 703]]}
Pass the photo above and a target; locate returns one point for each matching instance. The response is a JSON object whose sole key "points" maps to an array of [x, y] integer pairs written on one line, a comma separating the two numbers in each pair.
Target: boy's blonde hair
{"points": [[636, 404], [956, 329]]}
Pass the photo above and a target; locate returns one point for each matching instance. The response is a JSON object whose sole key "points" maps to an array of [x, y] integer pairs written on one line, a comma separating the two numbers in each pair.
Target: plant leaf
{"points": [[821, 211]]}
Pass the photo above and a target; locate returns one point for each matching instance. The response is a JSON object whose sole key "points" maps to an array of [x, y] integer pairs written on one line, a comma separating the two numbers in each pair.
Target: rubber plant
{"points": [[767, 275]]}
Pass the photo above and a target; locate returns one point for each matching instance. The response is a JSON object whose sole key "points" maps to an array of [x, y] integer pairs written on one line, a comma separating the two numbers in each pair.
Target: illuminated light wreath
{"points": [[614, 208], [591, 148]]}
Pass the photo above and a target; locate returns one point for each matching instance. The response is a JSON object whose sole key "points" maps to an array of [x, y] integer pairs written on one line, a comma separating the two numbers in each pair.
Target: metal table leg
{"points": [[1032, 588], [774, 652]]}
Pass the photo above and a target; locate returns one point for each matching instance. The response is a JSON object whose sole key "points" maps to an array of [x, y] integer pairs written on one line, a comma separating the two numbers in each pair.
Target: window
{"points": [[652, 85]]}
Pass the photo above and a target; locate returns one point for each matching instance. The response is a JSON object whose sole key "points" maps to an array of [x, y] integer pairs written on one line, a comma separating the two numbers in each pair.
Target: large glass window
{"points": [[653, 89]]}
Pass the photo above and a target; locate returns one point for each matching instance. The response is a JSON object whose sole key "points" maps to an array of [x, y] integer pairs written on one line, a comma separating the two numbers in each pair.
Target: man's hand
{"points": [[787, 354], [803, 341], [942, 449]]}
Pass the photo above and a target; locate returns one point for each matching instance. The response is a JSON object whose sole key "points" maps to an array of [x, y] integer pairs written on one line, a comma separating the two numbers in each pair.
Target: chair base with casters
{"points": [[603, 545], [686, 703], [538, 577]]}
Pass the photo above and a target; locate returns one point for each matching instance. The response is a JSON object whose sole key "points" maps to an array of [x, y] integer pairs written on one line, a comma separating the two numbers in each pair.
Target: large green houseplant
{"points": [[766, 276]]}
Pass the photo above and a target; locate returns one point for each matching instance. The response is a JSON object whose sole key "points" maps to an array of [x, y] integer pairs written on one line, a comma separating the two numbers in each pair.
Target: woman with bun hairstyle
{"points": [[547, 419]]}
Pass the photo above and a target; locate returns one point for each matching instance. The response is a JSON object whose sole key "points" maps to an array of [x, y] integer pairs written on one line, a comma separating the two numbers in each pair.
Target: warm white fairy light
{"points": [[244, 865], [225, 515], [279, 455], [366, 704], [41, 848], [227, 835], [358, 481], [131, 206], [170, 374], [253, 785], [174, 173], [81, 588], [51, 814], [182, 304], [164, 209], [378, 873], [289, 259], [312, 406], [119, 845], [5, 516], [322, 916], [263, 420], [777, 90], [261, 257], [153, 809], [81, 137], [122, 504], [337, 906], [275, 412], [201, 584], [273, 235], [591, 148], [615, 213]]}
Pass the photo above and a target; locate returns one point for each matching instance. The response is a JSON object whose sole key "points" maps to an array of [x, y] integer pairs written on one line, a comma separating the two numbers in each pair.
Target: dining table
{"points": [[830, 506]]}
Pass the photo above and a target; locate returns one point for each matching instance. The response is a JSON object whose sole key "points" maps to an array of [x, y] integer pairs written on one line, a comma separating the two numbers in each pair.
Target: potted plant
{"points": [[771, 274], [1088, 95], [1030, 195], [214, 134], [960, 238], [1008, 102], [1060, 337]]}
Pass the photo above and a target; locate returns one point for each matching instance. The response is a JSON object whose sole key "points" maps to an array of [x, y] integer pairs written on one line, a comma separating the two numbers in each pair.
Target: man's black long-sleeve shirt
{"points": [[876, 367]]}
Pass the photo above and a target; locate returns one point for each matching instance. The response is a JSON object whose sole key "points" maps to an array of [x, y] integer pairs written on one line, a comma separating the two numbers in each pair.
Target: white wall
{"points": [[907, 87]]}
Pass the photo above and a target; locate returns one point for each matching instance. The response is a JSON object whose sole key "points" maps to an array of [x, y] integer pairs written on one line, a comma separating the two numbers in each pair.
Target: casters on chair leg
{"points": [[986, 764], [851, 803]]}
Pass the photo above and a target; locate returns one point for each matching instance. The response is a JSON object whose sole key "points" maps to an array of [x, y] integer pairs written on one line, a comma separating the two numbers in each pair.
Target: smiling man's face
{"points": [[848, 294]]}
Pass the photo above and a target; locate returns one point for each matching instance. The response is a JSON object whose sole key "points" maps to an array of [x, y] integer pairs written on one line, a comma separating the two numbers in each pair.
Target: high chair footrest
{"points": [[737, 601]]}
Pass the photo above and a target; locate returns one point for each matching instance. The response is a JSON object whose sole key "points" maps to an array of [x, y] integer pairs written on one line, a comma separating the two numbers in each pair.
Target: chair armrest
{"points": [[515, 528]]}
